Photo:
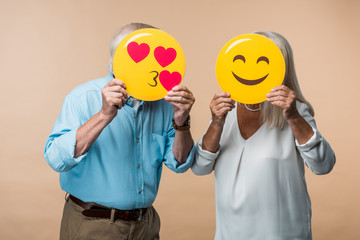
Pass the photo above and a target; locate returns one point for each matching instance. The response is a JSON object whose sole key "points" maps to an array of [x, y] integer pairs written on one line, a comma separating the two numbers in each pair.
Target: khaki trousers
{"points": [[75, 226]]}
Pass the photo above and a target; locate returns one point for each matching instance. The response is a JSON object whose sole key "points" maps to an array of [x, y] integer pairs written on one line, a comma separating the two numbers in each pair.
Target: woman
{"points": [[258, 153]]}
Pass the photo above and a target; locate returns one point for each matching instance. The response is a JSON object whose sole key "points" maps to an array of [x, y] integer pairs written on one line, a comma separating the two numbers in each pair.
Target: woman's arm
{"points": [[313, 147], [284, 97], [316, 152], [220, 105], [208, 146]]}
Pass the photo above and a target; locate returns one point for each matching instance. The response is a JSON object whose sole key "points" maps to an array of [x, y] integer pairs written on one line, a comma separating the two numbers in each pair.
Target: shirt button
{"points": [[138, 165], [134, 115], [137, 139], [139, 191]]}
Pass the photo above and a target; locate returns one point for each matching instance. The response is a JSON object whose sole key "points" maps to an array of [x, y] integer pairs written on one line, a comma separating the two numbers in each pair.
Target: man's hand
{"points": [[113, 98], [182, 100]]}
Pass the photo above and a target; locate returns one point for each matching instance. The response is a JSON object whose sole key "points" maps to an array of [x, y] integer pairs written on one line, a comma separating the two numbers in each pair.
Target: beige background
{"points": [[49, 47]]}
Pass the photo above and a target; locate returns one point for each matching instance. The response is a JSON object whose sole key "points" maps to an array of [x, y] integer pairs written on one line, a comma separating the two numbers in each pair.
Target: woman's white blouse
{"points": [[260, 187]]}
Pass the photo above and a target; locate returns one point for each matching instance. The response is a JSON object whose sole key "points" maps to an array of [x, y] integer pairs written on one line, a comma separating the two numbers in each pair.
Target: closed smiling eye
{"points": [[265, 59], [237, 57]]}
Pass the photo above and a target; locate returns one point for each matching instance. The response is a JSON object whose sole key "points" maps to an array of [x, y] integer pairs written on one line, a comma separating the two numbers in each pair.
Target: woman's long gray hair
{"points": [[273, 114]]}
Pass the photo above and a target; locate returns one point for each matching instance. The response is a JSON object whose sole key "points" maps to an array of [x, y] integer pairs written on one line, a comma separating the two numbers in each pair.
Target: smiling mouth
{"points": [[249, 82]]}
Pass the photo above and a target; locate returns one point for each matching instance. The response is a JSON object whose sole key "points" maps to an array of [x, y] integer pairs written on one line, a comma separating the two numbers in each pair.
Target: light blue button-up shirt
{"points": [[122, 168]]}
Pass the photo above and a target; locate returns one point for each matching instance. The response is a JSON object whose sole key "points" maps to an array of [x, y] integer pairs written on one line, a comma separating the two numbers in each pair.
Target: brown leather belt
{"points": [[96, 210]]}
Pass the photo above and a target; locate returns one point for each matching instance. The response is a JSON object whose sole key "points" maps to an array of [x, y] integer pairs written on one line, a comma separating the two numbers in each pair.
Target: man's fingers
{"points": [[116, 95], [182, 106], [115, 81], [179, 88], [182, 94], [178, 99], [117, 102], [116, 88]]}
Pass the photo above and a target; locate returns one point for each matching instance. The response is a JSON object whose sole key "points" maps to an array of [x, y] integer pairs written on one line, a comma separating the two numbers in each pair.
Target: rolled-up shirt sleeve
{"points": [[60, 145], [316, 152], [170, 160], [204, 160]]}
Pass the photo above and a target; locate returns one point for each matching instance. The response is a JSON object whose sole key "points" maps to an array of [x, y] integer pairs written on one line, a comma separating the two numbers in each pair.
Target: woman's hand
{"points": [[220, 105], [285, 98]]}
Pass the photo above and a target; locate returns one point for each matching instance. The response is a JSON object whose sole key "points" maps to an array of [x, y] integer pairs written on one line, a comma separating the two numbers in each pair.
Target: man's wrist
{"points": [[183, 126], [105, 117]]}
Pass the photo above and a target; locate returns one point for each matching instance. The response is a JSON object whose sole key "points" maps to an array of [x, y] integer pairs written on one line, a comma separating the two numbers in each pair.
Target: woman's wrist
{"points": [[294, 118], [212, 137], [301, 129], [217, 123]]}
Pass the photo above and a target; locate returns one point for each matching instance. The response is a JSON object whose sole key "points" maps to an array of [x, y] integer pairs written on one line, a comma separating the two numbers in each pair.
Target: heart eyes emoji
{"points": [[150, 62], [164, 57]]}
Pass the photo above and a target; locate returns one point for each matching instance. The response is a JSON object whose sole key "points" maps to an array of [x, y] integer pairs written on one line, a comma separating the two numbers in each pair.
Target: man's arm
{"points": [[113, 98], [183, 144], [182, 100]]}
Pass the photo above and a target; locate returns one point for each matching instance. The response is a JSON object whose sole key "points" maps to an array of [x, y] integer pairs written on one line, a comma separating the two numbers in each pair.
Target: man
{"points": [[109, 148]]}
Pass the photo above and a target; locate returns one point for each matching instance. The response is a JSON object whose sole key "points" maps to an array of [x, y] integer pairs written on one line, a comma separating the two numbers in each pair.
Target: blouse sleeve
{"points": [[204, 160], [316, 152]]}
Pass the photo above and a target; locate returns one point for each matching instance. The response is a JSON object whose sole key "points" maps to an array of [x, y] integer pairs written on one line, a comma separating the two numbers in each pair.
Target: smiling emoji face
{"points": [[248, 67], [150, 62]]}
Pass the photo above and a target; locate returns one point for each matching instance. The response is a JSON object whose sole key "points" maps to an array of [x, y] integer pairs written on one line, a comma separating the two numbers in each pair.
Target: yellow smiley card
{"points": [[150, 62], [248, 67]]}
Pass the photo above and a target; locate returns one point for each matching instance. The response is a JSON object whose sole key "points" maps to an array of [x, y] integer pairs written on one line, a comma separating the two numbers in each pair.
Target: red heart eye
{"points": [[169, 80], [164, 56], [138, 52]]}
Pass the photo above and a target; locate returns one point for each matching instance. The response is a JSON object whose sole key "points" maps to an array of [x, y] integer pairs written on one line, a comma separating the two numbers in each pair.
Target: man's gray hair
{"points": [[120, 35]]}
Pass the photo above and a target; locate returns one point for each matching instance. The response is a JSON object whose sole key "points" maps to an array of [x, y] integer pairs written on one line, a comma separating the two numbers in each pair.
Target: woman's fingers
{"points": [[221, 104]]}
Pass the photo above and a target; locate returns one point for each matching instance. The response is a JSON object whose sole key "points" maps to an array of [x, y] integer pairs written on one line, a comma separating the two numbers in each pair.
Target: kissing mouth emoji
{"points": [[249, 82], [154, 79]]}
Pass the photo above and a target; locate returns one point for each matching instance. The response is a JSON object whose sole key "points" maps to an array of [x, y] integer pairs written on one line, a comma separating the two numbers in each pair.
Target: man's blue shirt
{"points": [[122, 168]]}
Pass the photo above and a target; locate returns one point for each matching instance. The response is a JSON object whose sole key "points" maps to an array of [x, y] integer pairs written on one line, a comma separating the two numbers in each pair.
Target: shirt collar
{"points": [[130, 100]]}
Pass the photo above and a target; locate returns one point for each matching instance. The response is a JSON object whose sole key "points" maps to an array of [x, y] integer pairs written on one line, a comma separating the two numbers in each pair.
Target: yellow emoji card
{"points": [[150, 62], [248, 67]]}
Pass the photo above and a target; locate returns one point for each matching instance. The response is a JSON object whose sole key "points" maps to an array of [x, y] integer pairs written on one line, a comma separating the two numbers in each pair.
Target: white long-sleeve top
{"points": [[260, 186]]}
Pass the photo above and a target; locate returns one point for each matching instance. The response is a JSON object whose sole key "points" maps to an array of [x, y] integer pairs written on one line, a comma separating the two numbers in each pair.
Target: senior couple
{"points": [[109, 149]]}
